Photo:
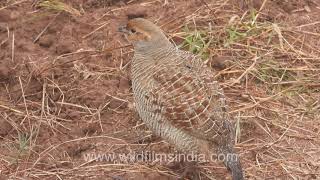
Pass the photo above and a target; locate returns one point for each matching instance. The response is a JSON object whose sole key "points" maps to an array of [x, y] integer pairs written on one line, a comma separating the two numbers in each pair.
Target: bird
{"points": [[177, 97]]}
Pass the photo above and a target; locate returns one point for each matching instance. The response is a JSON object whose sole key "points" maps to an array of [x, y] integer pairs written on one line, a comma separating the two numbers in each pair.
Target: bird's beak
{"points": [[123, 29]]}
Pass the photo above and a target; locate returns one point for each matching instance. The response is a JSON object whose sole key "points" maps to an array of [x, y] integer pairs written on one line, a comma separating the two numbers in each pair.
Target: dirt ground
{"points": [[65, 86]]}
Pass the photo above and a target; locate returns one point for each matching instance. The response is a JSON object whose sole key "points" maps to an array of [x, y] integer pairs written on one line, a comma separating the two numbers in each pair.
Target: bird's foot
{"points": [[191, 171]]}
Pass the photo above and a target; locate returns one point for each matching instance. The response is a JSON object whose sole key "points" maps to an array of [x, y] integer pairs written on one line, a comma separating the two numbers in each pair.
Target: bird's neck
{"points": [[156, 49]]}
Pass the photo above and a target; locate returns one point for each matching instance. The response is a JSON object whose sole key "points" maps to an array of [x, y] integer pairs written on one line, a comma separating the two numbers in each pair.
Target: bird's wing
{"points": [[189, 97]]}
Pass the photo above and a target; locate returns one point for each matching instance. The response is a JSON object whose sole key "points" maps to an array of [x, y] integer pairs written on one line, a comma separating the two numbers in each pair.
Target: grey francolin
{"points": [[177, 98]]}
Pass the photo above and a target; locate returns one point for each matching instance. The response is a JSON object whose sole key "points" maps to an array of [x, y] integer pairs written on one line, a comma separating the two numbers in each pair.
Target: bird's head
{"points": [[143, 33]]}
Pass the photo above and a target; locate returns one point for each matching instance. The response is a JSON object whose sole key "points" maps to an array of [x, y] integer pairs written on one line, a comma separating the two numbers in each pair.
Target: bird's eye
{"points": [[133, 31]]}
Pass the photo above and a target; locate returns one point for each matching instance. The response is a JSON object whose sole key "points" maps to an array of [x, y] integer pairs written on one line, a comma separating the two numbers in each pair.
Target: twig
{"points": [[206, 4], [24, 100], [237, 81], [12, 49], [309, 24], [262, 6], [45, 29], [85, 36], [117, 98], [8, 36], [11, 109], [13, 4], [261, 101]]}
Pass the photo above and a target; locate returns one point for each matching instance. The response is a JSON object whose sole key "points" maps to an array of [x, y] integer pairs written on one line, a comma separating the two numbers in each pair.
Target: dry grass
{"points": [[59, 6], [272, 82]]}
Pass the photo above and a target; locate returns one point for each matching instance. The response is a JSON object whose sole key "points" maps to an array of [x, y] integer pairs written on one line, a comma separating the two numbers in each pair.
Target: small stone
{"points": [[46, 41], [4, 71], [124, 84], [3, 27], [256, 4], [75, 115], [91, 129], [14, 15], [4, 15], [114, 104], [5, 128], [64, 47], [288, 7], [219, 62], [3, 177], [307, 8]]}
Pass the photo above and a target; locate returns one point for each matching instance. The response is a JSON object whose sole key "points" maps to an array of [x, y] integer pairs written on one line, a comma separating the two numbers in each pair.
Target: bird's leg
{"points": [[191, 171], [186, 165]]}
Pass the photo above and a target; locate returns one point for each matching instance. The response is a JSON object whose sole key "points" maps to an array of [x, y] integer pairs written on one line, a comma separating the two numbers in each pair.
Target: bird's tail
{"points": [[232, 162]]}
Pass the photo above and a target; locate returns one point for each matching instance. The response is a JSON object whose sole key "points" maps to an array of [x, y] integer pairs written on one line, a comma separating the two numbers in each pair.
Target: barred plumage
{"points": [[177, 97]]}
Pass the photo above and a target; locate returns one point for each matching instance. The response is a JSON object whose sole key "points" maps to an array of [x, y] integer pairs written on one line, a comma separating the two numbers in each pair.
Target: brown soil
{"points": [[65, 92]]}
